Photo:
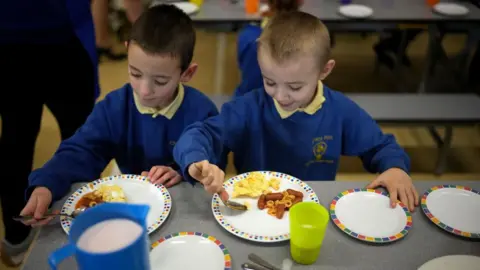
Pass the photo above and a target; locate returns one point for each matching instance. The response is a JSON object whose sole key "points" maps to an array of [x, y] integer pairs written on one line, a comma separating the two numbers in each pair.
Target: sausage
{"points": [[261, 202], [296, 200], [280, 210], [274, 196], [295, 193]]}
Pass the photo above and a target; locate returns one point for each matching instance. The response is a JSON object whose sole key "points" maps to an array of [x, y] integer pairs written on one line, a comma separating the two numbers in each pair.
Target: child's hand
{"points": [[399, 185], [37, 206], [210, 176], [163, 175]]}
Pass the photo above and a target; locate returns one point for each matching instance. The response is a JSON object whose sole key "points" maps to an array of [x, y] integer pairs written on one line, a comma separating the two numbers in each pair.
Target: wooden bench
{"points": [[430, 110]]}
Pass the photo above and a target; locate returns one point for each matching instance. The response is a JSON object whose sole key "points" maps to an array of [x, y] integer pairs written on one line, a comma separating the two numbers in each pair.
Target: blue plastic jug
{"points": [[132, 256]]}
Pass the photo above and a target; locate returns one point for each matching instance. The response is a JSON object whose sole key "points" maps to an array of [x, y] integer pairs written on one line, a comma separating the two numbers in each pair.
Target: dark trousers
{"points": [[60, 76]]}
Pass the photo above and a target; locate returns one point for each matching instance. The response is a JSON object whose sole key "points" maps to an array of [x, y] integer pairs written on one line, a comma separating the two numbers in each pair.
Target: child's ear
{"points": [[126, 44], [327, 69], [189, 72]]}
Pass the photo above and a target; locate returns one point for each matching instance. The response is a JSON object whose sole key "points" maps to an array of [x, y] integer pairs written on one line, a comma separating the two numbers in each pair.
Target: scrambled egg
{"points": [[254, 185], [111, 193]]}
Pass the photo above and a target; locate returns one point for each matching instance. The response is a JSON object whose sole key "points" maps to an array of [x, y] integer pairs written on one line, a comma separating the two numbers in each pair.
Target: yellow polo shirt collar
{"points": [[310, 109], [169, 111]]}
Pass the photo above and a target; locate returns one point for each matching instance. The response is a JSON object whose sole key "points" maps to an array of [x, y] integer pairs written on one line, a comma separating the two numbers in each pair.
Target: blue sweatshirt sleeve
{"points": [[251, 75], [362, 137], [81, 158], [212, 139]]}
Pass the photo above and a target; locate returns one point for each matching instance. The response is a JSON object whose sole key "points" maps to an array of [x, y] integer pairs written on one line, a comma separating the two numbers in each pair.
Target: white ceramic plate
{"points": [[137, 189], [452, 262], [189, 250], [187, 7], [366, 214], [355, 11], [264, 8], [255, 224], [450, 9], [453, 208]]}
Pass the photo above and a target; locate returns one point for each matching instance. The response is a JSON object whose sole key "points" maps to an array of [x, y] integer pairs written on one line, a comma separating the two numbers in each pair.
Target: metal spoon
{"points": [[230, 204], [233, 205], [256, 259], [74, 214], [251, 266]]}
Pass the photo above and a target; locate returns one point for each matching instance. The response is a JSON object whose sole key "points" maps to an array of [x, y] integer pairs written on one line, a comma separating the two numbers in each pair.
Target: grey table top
{"points": [[191, 211], [326, 10], [431, 108]]}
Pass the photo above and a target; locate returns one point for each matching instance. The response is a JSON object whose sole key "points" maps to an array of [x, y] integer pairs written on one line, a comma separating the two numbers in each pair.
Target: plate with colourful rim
{"points": [[255, 224], [463, 262], [366, 214], [453, 208], [204, 252], [137, 189]]}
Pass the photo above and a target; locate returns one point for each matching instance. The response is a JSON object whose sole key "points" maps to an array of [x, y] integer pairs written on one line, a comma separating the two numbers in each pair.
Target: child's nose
{"points": [[145, 89]]}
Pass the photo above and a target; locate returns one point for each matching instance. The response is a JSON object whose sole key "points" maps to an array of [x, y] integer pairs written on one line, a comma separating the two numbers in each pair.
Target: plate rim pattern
{"points": [[377, 240], [436, 221], [88, 187], [226, 253], [253, 237]]}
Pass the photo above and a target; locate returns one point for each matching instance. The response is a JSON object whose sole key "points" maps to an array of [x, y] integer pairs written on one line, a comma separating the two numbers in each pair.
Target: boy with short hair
{"points": [[251, 76], [295, 125], [138, 124]]}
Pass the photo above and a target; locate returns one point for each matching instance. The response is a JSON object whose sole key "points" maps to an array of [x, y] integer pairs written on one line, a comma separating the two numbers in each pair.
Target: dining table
{"points": [[225, 15], [192, 212]]}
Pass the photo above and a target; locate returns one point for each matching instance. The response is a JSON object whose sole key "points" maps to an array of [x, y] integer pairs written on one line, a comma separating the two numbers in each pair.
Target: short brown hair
{"points": [[165, 29], [290, 34]]}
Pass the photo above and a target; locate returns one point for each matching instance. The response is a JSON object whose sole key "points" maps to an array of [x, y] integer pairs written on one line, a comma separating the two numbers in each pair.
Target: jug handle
{"points": [[59, 255]]}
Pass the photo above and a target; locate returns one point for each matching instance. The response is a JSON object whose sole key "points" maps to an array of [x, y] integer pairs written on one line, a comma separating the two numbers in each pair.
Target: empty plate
{"points": [[366, 214], [450, 9], [355, 11], [187, 7], [454, 209], [463, 262], [189, 250]]}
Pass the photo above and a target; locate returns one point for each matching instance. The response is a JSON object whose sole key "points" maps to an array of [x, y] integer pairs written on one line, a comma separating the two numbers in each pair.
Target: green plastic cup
{"points": [[308, 223]]}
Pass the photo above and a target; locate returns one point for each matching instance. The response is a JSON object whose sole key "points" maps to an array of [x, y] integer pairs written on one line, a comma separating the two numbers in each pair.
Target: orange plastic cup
{"points": [[252, 6]]}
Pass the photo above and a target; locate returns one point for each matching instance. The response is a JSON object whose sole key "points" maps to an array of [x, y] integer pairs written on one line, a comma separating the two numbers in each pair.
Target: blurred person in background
{"points": [[104, 38], [389, 46], [48, 51], [251, 76]]}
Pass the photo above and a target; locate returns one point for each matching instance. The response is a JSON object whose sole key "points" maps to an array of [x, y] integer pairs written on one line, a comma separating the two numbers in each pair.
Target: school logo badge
{"points": [[319, 148]]}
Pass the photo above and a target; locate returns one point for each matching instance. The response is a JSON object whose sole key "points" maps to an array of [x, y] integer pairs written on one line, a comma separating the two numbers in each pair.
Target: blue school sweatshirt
{"points": [[117, 130], [251, 76], [305, 146]]}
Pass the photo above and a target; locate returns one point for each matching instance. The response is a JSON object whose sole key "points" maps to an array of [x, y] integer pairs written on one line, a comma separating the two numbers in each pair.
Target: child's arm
{"points": [[212, 139], [82, 157], [361, 136], [171, 174]]}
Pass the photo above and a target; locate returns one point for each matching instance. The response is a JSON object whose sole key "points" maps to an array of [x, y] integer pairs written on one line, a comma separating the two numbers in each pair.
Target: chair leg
{"points": [[443, 147]]}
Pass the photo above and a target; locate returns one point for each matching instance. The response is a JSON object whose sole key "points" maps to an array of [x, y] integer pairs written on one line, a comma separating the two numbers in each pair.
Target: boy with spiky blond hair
{"points": [[295, 124]]}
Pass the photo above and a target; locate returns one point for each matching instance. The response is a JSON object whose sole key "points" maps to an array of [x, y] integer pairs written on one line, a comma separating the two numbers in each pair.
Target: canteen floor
{"points": [[354, 72]]}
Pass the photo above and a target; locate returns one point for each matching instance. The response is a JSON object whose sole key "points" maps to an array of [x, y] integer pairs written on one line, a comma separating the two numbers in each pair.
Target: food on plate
{"points": [[104, 193], [261, 202], [274, 196], [280, 210], [277, 203], [254, 185], [295, 193]]}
